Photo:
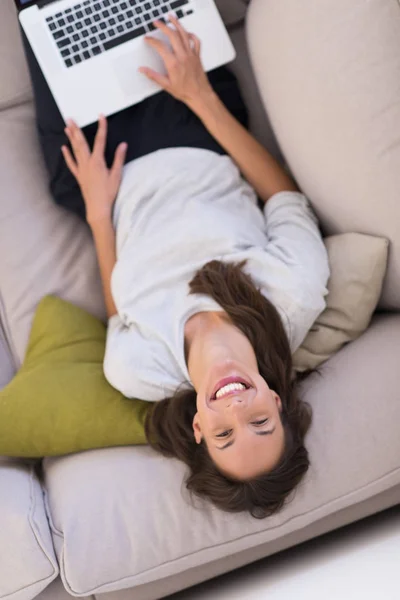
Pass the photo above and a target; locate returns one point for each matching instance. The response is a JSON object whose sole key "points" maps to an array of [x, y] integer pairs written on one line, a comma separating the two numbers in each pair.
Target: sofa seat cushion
{"points": [[328, 72], [132, 501], [14, 77], [28, 563], [44, 249]]}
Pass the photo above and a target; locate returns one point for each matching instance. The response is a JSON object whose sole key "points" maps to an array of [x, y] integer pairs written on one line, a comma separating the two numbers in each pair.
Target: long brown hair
{"points": [[168, 425]]}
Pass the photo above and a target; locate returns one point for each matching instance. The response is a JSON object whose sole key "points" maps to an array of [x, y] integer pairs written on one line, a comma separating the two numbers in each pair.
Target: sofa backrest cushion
{"points": [[328, 72]]}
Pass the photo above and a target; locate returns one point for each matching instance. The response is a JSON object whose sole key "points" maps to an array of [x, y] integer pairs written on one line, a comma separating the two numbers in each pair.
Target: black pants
{"points": [[158, 122]]}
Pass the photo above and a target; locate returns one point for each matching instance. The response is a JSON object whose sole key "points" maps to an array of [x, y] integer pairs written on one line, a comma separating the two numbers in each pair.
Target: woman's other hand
{"points": [[99, 185], [185, 79]]}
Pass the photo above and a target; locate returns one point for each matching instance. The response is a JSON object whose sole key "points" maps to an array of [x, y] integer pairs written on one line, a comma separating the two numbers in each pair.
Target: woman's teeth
{"points": [[229, 388]]}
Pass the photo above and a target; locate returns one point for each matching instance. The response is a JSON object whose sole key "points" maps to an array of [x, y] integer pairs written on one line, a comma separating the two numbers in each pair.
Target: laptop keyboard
{"points": [[95, 26]]}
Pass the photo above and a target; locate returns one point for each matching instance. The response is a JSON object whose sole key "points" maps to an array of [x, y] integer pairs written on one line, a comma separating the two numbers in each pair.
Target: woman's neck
{"points": [[211, 338]]}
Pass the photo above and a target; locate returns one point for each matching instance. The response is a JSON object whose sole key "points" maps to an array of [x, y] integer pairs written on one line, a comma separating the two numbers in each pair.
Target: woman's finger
{"points": [[196, 43], [184, 35], [156, 77], [118, 164], [99, 145], [71, 164], [78, 141], [173, 36]]}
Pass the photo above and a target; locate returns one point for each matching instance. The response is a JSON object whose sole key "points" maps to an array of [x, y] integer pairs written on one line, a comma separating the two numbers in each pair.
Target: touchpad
{"points": [[126, 68]]}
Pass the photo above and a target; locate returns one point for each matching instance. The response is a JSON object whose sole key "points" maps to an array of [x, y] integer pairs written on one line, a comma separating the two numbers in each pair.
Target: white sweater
{"points": [[178, 209]]}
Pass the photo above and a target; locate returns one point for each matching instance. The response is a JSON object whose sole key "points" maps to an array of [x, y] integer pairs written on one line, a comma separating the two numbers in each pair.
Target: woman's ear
{"points": [[277, 400], [197, 429]]}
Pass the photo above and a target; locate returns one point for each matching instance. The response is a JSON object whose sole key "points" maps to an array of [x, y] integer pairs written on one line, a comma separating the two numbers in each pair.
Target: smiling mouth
{"points": [[228, 387]]}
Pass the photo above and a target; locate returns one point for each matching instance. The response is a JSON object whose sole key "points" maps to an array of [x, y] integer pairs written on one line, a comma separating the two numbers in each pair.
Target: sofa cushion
{"points": [[60, 402], [328, 72], [28, 563], [15, 82], [94, 498], [358, 265], [44, 249]]}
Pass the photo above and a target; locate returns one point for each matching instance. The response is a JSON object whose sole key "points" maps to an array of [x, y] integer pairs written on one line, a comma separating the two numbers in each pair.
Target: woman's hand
{"points": [[99, 185], [185, 79]]}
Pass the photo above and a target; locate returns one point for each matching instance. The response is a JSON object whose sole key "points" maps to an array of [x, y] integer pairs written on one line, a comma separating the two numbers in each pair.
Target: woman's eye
{"points": [[224, 434], [260, 422]]}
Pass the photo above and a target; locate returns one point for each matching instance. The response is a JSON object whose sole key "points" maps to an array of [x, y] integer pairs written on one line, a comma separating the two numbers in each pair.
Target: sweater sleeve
{"points": [[124, 366], [295, 242]]}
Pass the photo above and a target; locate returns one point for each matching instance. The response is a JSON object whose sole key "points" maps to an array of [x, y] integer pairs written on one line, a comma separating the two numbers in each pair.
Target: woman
{"points": [[207, 296]]}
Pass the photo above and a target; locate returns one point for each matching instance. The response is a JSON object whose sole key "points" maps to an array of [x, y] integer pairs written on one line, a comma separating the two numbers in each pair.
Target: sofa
{"points": [[321, 83]]}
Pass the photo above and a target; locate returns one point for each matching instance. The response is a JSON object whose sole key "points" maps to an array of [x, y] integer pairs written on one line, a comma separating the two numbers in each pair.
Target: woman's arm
{"points": [[257, 165], [99, 186], [186, 81], [104, 239]]}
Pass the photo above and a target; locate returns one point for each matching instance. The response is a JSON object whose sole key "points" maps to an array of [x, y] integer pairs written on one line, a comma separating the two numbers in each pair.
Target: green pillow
{"points": [[59, 402]]}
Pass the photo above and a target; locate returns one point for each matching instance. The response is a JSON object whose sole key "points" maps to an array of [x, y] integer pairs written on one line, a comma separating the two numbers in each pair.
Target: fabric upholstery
{"points": [[57, 254], [15, 83], [28, 563], [328, 75], [60, 402], [358, 267], [355, 453]]}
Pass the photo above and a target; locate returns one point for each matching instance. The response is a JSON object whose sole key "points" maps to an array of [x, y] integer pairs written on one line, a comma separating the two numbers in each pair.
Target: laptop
{"points": [[90, 50]]}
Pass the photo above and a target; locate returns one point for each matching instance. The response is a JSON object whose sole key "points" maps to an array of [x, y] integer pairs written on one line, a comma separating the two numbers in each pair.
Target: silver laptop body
{"points": [[90, 50]]}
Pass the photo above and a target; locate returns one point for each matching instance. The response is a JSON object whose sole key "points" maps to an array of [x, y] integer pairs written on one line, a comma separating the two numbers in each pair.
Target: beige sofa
{"points": [[117, 524]]}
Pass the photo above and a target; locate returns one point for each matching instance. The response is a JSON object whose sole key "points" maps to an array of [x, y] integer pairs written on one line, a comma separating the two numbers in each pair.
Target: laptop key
{"points": [[114, 10], [85, 33], [88, 21], [84, 44], [164, 9], [93, 40], [129, 14], [88, 10], [70, 18], [70, 29], [49, 19], [178, 3], [128, 25], [146, 17], [124, 6], [129, 35], [96, 50], [120, 29], [78, 25], [97, 6], [121, 18], [138, 21], [111, 33], [58, 34], [68, 62], [75, 48], [94, 29], [180, 14], [65, 52], [61, 22], [78, 59], [97, 18], [63, 43], [111, 21], [86, 55], [102, 25], [79, 14], [102, 36], [52, 26]]}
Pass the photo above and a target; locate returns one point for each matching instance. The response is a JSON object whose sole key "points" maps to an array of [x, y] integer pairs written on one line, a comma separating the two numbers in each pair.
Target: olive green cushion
{"points": [[60, 402]]}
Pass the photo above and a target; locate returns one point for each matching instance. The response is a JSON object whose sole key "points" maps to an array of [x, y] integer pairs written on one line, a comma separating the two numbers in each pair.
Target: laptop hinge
{"points": [[43, 3]]}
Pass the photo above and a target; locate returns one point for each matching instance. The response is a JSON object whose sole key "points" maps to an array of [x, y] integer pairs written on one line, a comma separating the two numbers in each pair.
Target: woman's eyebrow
{"points": [[269, 432]]}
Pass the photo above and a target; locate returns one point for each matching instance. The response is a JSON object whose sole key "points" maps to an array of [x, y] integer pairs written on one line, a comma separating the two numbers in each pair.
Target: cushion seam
{"points": [[5, 329]]}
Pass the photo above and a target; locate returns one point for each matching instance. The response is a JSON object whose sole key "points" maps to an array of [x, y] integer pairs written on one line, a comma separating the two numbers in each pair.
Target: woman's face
{"points": [[239, 422]]}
